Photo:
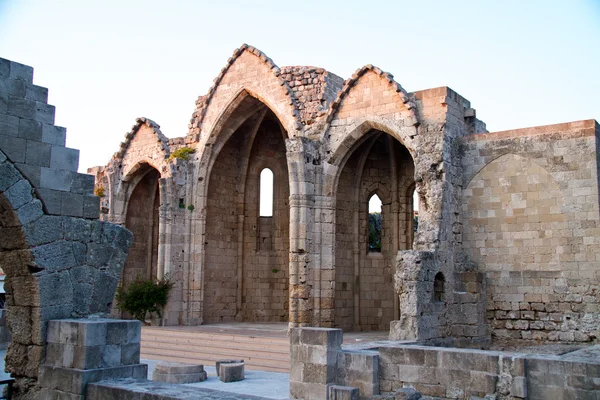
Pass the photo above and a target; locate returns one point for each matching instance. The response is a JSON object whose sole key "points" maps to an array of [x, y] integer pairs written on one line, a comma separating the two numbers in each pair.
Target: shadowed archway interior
{"points": [[247, 251], [378, 165], [142, 219]]}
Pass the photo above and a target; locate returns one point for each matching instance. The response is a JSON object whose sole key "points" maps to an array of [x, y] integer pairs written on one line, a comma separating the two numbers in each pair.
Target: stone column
{"points": [[302, 156], [81, 351]]}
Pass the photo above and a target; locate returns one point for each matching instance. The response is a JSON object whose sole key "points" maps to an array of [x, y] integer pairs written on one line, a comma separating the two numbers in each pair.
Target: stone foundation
{"points": [[440, 372], [79, 352]]}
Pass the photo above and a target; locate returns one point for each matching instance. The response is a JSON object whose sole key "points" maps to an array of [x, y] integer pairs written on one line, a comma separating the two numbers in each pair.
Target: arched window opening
{"points": [[438, 287], [375, 224], [266, 193], [415, 211]]}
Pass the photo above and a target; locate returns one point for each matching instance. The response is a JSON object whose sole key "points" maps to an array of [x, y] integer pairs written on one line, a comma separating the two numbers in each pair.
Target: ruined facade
{"points": [[508, 228], [60, 260]]}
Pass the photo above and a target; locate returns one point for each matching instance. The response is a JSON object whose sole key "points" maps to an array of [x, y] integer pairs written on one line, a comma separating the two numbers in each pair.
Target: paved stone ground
{"points": [[270, 385]]}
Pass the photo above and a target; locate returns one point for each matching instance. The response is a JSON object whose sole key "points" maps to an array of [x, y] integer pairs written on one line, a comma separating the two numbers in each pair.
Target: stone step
{"points": [[209, 360], [266, 353], [220, 351], [259, 344]]}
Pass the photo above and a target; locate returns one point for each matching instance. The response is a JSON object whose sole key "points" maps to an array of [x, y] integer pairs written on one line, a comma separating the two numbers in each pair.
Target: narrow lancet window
{"points": [[266, 193], [415, 211], [375, 224], [438, 287]]}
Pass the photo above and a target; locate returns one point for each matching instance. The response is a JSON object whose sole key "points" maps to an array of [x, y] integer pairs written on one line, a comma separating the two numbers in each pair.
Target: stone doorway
{"points": [[378, 166], [247, 251]]}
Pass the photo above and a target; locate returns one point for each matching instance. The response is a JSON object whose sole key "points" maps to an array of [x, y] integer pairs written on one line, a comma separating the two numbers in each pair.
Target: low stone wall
{"points": [[452, 373], [318, 362], [460, 373]]}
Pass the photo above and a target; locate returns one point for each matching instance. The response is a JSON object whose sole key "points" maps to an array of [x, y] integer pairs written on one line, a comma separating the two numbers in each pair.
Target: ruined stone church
{"points": [[508, 222]]}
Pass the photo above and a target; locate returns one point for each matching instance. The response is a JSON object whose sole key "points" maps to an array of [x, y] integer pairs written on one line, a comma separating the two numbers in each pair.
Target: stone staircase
{"points": [[259, 351]]}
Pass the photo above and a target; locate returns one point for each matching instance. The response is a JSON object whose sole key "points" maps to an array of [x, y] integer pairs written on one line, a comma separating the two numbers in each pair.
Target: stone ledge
{"points": [[150, 390]]}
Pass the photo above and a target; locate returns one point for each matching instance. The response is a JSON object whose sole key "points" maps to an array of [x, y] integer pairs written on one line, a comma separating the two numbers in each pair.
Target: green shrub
{"points": [[182, 153], [144, 296], [99, 191]]}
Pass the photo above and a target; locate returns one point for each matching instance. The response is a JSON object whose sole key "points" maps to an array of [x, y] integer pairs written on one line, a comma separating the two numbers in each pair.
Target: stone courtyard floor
{"points": [[270, 385]]}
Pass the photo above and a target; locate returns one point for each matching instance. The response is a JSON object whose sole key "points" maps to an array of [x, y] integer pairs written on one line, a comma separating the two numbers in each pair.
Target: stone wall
{"points": [[266, 239], [318, 361], [57, 264], [531, 225]]}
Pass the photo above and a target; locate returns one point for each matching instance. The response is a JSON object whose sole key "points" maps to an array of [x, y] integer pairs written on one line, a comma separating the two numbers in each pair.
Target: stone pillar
{"points": [[414, 291], [314, 353], [302, 156], [81, 351], [324, 272]]}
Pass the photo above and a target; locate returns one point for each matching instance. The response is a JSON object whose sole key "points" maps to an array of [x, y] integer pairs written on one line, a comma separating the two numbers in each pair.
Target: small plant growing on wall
{"points": [[144, 296], [99, 191], [183, 153]]}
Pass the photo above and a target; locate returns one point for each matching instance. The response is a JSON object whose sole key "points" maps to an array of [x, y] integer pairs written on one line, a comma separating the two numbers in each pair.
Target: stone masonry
{"points": [[319, 363], [507, 230], [60, 260]]}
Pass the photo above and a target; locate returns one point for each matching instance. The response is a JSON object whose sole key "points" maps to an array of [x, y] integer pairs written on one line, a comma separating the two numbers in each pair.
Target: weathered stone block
{"points": [[30, 109], [64, 158], [226, 361], [231, 372], [308, 391], [343, 393], [179, 373], [88, 357], [30, 130], [21, 71], [8, 175], [55, 256], [91, 207], [37, 153], [116, 332], [134, 331], [37, 93], [331, 338], [31, 172], [71, 204], [55, 135], [130, 353], [83, 184], [30, 212], [111, 355], [92, 333], [407, 394], [56, 179], [9, 125], [19, 194], [13, 147], [52, 200], [518, 387]]}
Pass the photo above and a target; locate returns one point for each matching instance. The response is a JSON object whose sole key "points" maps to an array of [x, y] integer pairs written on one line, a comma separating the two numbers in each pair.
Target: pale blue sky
{"points": [[520, 63]]}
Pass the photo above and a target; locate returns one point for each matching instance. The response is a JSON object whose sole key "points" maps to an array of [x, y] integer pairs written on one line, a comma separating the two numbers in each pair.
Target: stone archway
{"points": [[56, 266], [142, 219], [364, 288], [25, 351], [246, 264]]}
